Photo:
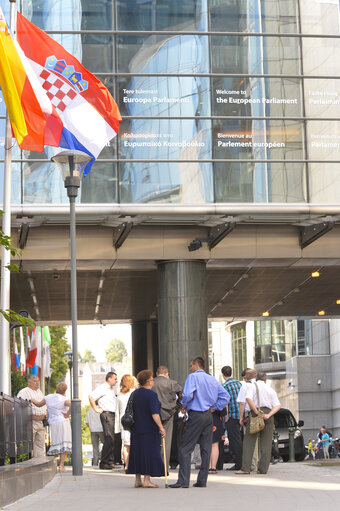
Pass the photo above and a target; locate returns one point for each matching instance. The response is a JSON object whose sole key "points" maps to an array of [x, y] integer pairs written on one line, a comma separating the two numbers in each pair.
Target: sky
{"points": [[97, 337]]}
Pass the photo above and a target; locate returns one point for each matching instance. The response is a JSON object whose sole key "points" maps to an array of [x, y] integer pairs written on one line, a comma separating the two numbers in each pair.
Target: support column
{"points": [[182, 319], [144, 346]]}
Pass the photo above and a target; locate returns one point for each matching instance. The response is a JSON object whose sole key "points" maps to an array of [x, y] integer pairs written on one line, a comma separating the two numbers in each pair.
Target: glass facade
{"points": [[275, 341], [226, 101], [239, 349]]}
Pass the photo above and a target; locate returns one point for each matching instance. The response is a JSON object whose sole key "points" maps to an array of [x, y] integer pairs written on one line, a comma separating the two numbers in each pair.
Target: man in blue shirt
{"points": [[233, 386], [201, 394]]}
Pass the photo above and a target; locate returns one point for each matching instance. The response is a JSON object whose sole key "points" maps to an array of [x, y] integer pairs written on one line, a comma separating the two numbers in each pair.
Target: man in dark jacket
{"points": [[167, 391]]}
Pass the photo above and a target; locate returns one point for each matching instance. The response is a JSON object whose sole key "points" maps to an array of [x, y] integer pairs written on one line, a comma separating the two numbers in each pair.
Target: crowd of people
{"points": [[205, 413]]}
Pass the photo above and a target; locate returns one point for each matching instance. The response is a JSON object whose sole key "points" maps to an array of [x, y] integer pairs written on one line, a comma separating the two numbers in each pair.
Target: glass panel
{"points": [[287, 182], [323, 139], [257, 139], [179, 15], [324, 183], [163, 54], [320, 56], [98, 53], [100, 185], [255, 54], [182, 183], [254, 16], [319, 16], [164, 96], [257, 96], [322, 98], [233, 182], [97, 14], [159, 139], [43, 183]]}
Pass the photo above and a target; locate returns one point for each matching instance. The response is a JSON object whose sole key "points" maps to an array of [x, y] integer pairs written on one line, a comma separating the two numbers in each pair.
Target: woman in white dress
{"points": [[59, 409], [127, 386]]}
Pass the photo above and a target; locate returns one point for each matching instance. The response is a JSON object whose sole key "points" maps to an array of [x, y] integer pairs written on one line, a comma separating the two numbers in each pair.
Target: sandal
{"points": [[212, 471]]}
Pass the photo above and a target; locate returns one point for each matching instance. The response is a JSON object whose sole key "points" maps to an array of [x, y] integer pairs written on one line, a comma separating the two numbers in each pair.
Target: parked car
{"points": [[283, 419]]}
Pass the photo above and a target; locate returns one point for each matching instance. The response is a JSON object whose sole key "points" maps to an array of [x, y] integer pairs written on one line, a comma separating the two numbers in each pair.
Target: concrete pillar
{"points": [[144, 346], [182, 319]]}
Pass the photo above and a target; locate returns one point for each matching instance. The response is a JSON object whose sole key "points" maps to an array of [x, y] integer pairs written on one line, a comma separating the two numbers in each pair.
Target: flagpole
{"points": [[5, 359]]}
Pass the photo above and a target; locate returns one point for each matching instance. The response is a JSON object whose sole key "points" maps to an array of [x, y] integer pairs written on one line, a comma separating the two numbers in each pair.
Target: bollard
{"points": [[291, 430], [276, 442]]}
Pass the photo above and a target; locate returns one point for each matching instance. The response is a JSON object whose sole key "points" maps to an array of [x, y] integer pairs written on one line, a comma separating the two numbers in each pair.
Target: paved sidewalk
{"points": [[286, 487]]}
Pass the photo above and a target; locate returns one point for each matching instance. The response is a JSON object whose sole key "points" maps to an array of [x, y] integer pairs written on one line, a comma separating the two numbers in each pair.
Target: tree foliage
{"points": [[116, 351], [88, 357], [58, 347]]}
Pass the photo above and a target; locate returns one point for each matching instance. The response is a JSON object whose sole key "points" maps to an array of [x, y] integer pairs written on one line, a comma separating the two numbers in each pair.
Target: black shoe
{"points": [[199, 485], [178, 485], [105, 467], [232, 468]]}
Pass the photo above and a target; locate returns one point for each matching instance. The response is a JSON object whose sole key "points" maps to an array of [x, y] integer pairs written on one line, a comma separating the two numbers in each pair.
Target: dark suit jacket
{"points": [[166, 390]]}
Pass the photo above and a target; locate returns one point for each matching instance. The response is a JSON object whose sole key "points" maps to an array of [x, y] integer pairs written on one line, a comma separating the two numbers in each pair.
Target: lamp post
{"points": [[69, 359], [71, 165]]}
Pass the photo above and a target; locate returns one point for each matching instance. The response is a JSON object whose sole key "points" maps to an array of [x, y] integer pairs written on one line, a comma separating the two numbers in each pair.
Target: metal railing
{"points": [[16, 433]]}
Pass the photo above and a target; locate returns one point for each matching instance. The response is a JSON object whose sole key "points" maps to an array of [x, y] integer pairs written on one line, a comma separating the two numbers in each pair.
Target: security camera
{"points": [[319, 382], [56, 276]]}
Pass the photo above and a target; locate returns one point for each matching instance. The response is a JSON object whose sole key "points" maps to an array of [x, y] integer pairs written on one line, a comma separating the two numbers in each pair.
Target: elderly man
{"points": [[260, 395], [201, 394], [167, 391], [30, 392], [103, 400]]}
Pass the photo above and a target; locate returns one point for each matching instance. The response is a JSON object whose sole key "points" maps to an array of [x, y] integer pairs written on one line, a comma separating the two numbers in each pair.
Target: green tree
{"points": [[116, 351], [58, 347], [88, 357], [86, 434]]}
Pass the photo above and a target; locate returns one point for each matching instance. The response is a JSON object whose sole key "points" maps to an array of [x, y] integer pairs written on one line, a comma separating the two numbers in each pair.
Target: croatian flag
{"points": [[34, 354], [16, 361], [50, 97]]}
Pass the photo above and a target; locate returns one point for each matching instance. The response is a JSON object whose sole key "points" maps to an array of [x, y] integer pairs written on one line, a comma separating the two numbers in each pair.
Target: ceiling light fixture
{"points": [[338, 302], [265, 314], [321, 313], [315, 274]]}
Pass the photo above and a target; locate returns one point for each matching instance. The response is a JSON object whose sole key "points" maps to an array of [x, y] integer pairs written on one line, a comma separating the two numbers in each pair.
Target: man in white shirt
{"points": [[103, 400], [32, 391], [94, 424], [269, 403]]}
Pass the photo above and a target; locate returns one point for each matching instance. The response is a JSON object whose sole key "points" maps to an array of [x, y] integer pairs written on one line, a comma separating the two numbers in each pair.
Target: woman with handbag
{"points": [[59, 409], [263, 403], [146, 432], [127, 386]]}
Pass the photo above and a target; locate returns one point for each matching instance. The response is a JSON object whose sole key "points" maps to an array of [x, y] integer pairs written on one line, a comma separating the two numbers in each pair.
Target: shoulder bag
{"points": [[127, 420], [256, 422]]}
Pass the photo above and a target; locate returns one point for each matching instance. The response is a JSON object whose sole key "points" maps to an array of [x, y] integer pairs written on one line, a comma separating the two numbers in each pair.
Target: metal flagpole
{"points": [[5, 359]]}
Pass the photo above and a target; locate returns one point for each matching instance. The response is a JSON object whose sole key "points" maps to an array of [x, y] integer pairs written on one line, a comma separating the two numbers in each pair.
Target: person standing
{"points": [[94, 424], [127, 386], [145, 456], [201, 395], [269, 403], [167, 391], [233, 387], [249, 377], [105, 396], [30, 392], [325, 439]]}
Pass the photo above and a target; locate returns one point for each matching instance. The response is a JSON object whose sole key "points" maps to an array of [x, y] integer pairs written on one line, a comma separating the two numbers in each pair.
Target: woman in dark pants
{"points": [[145, 455]]}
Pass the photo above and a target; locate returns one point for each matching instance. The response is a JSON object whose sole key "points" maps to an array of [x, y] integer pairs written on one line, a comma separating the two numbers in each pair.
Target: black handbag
{"points": [[127, 420]]}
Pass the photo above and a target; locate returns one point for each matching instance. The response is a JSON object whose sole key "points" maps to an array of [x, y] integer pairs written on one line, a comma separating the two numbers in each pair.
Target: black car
{"points": [[284, 419]]}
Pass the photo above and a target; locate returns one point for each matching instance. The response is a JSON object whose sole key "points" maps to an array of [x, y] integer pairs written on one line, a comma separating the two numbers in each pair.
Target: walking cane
{"points": [[165, 463]]}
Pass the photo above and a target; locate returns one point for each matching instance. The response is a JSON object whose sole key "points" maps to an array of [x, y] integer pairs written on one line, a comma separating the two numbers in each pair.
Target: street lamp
{"points": [[71, 165], [69, 359]]}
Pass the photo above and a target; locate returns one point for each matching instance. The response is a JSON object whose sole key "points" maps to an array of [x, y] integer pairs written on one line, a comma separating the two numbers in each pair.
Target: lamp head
{"points": [[71, 163]]}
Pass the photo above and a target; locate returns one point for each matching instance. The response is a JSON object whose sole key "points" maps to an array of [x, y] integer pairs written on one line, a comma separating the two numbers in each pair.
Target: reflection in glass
{"points": [[322, 97], [320, 17], [255, 54], [234, 182], [182, 183], [100, 185], [320, 56], [277, 17], [324, 183], [179, 15]]}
